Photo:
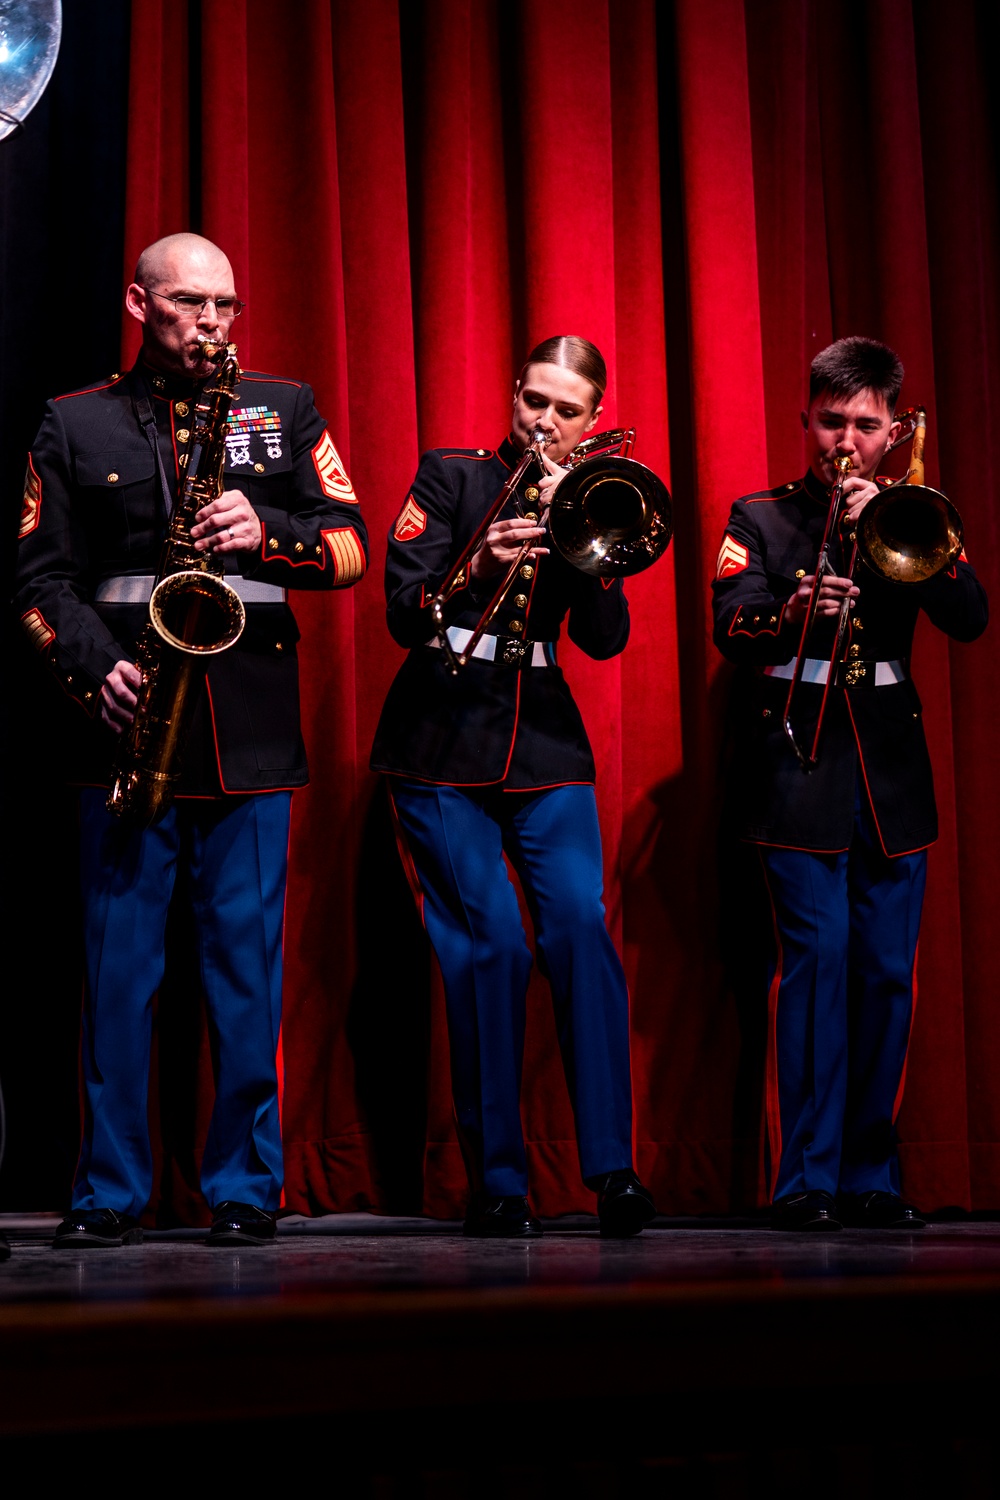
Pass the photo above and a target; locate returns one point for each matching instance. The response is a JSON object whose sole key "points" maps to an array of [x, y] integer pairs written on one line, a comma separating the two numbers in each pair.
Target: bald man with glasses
{"points": [[102, 478]]}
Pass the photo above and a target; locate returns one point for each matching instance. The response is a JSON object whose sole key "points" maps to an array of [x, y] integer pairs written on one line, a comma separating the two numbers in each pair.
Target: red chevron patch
{"points": [[410, 522], [733, 557]]}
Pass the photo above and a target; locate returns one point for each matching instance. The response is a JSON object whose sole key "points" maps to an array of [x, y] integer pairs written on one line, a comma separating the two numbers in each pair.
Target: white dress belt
{"points": [[486, 646], [135, 588], [814, 670]]}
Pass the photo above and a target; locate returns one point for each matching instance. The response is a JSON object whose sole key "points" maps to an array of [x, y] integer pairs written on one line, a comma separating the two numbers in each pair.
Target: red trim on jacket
{"points": [[271, 380], [767, 629], [91, 389], [868, 793]]}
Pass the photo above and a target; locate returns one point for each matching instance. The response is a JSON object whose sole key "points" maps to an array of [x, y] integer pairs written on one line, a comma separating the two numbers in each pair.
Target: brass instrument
{"points": [[609, 517], [906, 533], [193, 614]]}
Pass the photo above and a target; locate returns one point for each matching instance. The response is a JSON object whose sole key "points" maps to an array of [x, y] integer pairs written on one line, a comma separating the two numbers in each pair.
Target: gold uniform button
{"points": [[527, 571], [529, 515], [531, 493], [273, 544], [520, 600], [112, 477], [756, 619], [318, 551], [182, 434], [789, 486], [858, 625], [181, 408], [854, 650], [69, 676], [298, 546], [258, 468], [87, 697], [515, 627], [279, 646], [800, 572], [481, 452]]}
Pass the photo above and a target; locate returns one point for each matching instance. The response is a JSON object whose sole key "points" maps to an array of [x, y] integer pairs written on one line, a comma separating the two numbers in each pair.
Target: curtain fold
{"points": [[411, 196]]}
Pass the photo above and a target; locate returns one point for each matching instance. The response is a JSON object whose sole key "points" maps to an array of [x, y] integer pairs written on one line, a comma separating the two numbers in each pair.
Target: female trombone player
{"points": [[493, 759]]}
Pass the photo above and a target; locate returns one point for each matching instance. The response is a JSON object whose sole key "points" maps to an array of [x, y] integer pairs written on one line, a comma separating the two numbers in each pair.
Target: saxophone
{"points": [[193, 614]]}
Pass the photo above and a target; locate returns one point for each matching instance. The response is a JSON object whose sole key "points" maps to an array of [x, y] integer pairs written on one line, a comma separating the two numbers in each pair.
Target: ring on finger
{"points": [[230, 530]]}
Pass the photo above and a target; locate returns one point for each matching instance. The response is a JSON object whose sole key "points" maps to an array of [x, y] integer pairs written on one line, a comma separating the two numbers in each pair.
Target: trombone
{"points": [[906, 533], [609, 517]]}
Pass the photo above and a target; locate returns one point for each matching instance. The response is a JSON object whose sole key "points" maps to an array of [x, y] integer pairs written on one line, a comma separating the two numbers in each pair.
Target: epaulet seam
{"points": [[91, 390], [779, 492], [272, 379], [479, 455]]}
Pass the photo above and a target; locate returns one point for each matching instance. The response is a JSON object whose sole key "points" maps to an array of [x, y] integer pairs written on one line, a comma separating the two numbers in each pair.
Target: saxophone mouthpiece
{"points": [[209, 349]]}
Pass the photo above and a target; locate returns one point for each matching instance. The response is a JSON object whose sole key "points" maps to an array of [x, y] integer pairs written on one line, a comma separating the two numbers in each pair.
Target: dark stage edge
{"points": [[695, 1359]]}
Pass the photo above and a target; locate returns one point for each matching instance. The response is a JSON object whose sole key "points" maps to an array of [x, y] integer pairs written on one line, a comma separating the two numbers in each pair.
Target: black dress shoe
{"points": [[501, 1219], [624, 1206], [878, 1210], [240, 1224], [812, 1212], [96, 1229]]}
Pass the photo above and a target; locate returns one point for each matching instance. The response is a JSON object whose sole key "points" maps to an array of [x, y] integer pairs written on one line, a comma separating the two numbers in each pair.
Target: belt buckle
{"points": [[512, 650], [854, 673]]}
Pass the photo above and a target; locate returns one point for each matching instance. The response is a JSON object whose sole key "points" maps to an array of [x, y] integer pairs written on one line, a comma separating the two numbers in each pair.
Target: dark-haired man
{"points": [[843, 847], [102, 478]]}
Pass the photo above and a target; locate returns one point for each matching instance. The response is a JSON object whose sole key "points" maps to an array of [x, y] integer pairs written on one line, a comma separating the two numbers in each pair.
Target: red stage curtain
{"points": [[413, 194]]}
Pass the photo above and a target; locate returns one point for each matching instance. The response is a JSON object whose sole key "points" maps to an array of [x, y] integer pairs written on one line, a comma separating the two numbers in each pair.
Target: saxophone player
{"points": [[102, 478]]}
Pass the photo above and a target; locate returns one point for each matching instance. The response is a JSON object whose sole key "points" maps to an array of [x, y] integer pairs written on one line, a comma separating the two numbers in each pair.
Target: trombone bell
{"points": [[611, 516], [909, 533]]}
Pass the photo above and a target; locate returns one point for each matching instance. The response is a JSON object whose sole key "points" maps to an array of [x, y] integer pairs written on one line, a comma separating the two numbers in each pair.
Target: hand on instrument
{"points": [[118, 695], [857, 493], [502, 543], [549, 481], [228, 524], [832, 593]]}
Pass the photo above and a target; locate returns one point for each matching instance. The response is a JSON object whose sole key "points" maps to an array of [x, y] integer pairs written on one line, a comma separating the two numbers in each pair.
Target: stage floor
{"points": [[350, 1253], [720, 1347]]}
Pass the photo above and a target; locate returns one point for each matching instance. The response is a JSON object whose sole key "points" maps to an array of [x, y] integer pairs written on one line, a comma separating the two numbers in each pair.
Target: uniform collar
{"points": [[168, 387], [508, 453], [816, 489]]}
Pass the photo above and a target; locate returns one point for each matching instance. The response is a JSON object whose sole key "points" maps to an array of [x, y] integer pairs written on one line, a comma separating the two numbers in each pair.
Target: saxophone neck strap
{"points": [[142, 405]]}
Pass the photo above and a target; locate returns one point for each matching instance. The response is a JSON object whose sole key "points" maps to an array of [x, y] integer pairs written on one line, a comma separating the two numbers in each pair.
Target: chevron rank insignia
{"points": [[332, 474], [32, 501], [410, 522], [733, 557], [39, 631]]}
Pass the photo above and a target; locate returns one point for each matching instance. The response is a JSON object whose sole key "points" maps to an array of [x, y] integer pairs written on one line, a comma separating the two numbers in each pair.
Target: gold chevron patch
{"points": [[348, 554], [410, 522], [31, 508], [331, 471], [40, 632], [733, 557]]}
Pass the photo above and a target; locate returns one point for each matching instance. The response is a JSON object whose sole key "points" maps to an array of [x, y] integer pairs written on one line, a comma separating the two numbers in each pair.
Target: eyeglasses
{"points": [[226, 307]]}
